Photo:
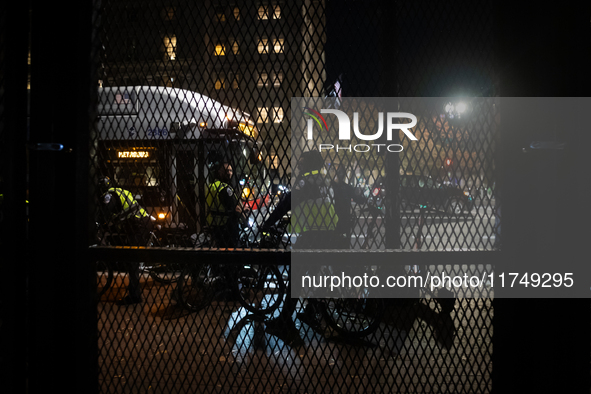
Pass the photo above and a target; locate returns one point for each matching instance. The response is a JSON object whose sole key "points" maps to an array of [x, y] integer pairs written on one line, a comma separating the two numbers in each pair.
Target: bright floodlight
{"points": [[461, 108]]}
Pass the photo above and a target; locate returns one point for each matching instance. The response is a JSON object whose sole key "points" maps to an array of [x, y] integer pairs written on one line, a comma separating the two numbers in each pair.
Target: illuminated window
{"points": [[263, 46], [277, 12], [263, 12], [235, 48], [170, 45], [220, 50], [236, 82], [220, 83], [273, 161], [237, 13], [277, 115], [263, 80], [263, 115], [278, 79], [220, 14], [278, 45]]}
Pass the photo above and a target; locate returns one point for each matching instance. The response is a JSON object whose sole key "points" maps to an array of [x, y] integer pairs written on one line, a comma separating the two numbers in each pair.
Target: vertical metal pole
{"points": [[62, 310], [14, 36], [389, 80]]}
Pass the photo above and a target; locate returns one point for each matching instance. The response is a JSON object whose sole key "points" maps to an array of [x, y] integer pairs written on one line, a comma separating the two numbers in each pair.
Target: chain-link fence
{"points": [[193, 151]]}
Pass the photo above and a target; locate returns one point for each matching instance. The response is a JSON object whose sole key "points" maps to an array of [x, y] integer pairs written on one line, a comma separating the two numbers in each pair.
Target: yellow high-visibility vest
{"points": [[130, 206], [314, 215], [216, 212]]}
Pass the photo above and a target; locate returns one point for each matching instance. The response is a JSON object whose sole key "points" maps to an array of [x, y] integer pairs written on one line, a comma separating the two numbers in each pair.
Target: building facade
{"points": [[254, 56]]}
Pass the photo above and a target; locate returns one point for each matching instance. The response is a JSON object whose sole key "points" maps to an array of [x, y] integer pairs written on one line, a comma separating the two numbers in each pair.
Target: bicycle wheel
{"points": [[195, 287], [165, 273], [104, 277], [261, 290], [353, 317]]}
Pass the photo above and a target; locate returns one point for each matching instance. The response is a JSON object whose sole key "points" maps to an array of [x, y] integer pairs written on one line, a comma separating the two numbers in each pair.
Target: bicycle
{"points": [[164, 273], [260, 289], [360, 316], [355, 318]]}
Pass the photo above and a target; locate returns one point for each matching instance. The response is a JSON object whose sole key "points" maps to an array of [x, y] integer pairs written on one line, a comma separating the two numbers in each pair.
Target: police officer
{"points": [[129, 225], [224, 210], [313, 217]]}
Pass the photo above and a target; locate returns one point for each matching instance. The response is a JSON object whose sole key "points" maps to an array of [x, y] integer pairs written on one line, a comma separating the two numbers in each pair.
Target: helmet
{"points": [[104, 184], [311, 161]]}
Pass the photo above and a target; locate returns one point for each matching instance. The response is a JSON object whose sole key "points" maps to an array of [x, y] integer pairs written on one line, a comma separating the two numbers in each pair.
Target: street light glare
{"points": [[449, 108], [461, 108]]}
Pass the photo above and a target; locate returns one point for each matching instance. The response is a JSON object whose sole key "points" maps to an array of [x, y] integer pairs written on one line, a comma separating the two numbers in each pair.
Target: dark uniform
{"points": [[343, 195]]}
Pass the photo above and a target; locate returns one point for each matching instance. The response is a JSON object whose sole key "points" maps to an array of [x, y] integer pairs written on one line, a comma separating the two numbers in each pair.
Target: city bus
{"points": [[157, 143]]}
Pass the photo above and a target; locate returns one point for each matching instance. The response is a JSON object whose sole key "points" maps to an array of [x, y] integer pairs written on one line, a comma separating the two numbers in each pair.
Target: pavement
{"points": [[157, 347]]}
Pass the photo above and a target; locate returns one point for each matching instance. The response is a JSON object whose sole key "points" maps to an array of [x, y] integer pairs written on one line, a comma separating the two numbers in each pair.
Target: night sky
{"points": [[421, 49]]}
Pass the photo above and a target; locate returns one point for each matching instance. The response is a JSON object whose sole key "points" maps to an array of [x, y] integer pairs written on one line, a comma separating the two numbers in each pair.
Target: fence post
{"points": [[14, 25], [62, 309]]}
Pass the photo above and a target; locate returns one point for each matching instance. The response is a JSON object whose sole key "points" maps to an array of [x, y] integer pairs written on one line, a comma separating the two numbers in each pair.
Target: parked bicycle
{"points": [[259, 288], [164, 273]]}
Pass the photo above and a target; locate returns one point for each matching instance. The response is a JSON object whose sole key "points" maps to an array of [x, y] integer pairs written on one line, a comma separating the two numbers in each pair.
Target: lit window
{"points": [[277, 12], [263, 80], [277, 115], [273, 161], [220, 83], [263, 12], [278, 79], [263, 115], [170, 45], [220, 14], [236, 82], [235, 48], [220, 50], [169, 13], [278, 46], [263, 46], [237, 13]]}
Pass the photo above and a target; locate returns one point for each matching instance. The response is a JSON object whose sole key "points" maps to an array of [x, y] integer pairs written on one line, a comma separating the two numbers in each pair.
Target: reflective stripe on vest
{"points": [[130, 206]]}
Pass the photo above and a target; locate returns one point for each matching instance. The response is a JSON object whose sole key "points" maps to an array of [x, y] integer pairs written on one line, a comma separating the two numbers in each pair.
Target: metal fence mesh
{"points": [[185, 87], [161, 346]]}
